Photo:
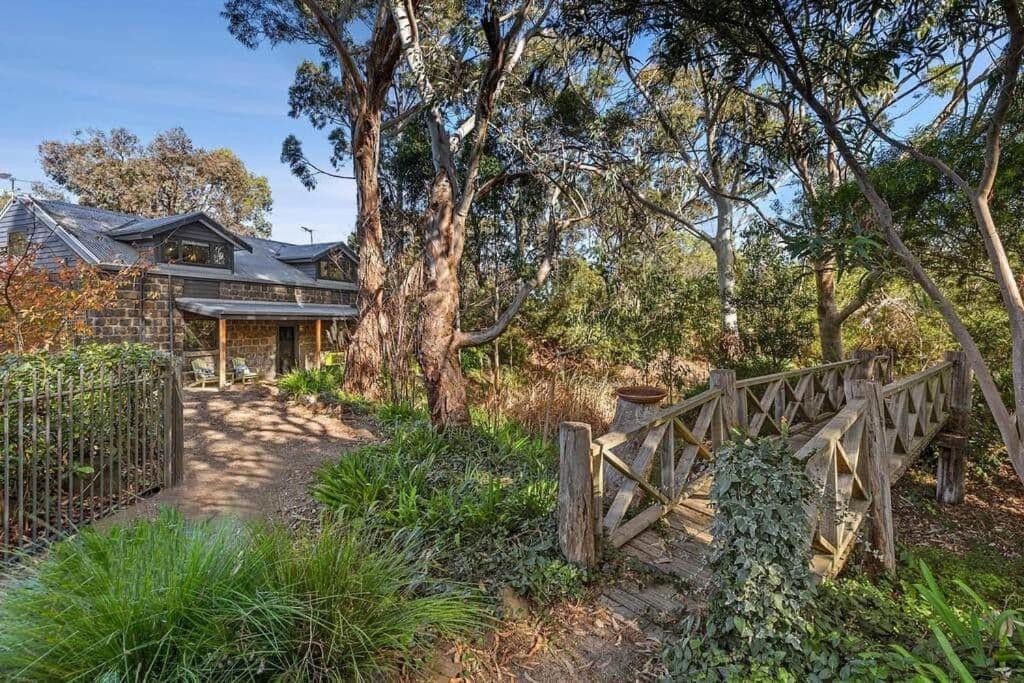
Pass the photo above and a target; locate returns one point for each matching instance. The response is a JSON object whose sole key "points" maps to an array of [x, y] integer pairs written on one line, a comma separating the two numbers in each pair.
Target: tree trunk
{"points": [[725, 263], [437, 329], [830, 327], [364, 357]]}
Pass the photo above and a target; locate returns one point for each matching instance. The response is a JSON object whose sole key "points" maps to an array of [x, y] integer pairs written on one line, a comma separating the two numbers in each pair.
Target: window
{"points": [[17, 243], [334, 267], [200, 334], [195, 252]]}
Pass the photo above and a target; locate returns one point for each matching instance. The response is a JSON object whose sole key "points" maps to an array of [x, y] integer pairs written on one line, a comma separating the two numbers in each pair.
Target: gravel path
{"points": [[249, 454]]}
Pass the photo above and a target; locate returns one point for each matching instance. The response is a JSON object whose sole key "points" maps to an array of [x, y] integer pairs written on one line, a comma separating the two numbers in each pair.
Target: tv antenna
{"points": [[310, 231]]}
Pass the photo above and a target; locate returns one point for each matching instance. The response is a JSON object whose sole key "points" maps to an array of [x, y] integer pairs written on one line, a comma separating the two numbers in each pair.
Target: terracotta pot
{"points": [[643, 395]]}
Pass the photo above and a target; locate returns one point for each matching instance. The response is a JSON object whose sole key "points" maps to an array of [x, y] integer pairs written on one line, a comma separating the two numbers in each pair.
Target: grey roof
{"points": [[256, 259], [147, 227], [264, 310], [90, 227], [297, 253]]}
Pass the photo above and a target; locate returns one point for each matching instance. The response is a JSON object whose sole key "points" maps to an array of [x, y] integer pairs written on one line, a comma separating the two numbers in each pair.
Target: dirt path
{"points": [[250, 454]]}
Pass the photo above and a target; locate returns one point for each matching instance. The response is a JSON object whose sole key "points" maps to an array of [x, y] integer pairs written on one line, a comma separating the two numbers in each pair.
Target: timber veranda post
{"points": [[949, 473], [580, 486]]}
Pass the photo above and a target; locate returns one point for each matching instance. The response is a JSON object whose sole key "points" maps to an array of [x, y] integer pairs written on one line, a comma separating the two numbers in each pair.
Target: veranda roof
{"points": [[264, 310]]}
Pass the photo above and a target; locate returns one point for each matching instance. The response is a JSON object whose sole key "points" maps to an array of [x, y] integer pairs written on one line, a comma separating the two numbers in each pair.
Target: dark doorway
{"points": [[285, 349]]}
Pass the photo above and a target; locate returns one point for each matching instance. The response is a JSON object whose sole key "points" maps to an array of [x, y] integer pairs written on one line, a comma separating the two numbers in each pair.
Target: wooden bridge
{"points": [[857, 430]]}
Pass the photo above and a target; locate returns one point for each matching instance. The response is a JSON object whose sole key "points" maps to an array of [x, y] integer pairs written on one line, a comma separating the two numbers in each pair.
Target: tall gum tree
{"points": [[353, 101], [459, 133]]}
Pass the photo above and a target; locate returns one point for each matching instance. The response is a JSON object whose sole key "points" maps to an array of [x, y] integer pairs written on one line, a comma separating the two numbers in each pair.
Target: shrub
{"points": [[173, 600], [482, 497], [761, 583], [316, 382]]}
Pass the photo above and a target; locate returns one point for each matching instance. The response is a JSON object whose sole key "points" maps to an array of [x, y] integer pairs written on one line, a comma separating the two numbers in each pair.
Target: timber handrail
{"points": [[789, 374], [613, 439], [917, 378]]}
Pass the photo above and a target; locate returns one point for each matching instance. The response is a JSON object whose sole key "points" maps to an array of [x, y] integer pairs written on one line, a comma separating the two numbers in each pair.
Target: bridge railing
{"points": [[870, 435], [787, 402], [857, 455], [660, 457]]}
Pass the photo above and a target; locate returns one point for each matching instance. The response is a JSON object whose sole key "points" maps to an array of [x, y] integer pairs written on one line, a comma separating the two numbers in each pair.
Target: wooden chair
{"points": [[242, 371], [203, 372]]}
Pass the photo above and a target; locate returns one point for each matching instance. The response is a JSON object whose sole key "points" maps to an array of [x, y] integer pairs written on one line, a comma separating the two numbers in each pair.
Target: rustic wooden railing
{"points": [[75, 447], [857, 455], [788, 402], [866, 436]]}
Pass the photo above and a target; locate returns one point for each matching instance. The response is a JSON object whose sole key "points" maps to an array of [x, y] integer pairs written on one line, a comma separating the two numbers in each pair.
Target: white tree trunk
{"points": [[725, 264]]}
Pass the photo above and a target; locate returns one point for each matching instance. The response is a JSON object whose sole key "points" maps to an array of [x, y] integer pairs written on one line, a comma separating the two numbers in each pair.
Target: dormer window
{"points": [[336, 267], [196, 252]]}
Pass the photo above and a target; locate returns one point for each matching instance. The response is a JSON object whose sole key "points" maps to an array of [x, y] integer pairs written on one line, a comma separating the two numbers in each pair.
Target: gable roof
{"points": [[103, 238], [307, 253], [148, 227]]}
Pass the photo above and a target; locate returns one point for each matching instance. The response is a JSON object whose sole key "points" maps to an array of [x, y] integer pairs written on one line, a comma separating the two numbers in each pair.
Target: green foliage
{"points": [[966, 644], [170, 600], [317, 382], [755, 626], [88, 360], [773, 302], [482, 497]]}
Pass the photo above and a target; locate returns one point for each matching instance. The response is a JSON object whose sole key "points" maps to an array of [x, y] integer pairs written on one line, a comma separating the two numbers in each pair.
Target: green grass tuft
{"points": [[483, 498], [173, 600], [318, 382]]}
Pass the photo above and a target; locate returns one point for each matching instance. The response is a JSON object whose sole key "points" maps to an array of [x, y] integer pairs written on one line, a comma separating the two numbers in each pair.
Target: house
{"points": [[204, 291]]}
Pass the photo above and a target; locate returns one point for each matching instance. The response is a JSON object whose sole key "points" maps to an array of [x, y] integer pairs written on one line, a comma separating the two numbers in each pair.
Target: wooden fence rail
{"points": [[76, 447], [858, 437]]}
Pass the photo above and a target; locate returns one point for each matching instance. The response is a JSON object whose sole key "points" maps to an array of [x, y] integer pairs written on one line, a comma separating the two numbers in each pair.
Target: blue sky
{"points": [[148, 66]]}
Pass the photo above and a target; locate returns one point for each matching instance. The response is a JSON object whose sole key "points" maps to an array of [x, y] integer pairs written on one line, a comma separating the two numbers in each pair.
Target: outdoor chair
{"points": [[242, 370], [203, 372]]}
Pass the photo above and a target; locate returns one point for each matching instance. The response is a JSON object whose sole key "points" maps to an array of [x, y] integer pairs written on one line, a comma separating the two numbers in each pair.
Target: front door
{"points": [[285, 349]]}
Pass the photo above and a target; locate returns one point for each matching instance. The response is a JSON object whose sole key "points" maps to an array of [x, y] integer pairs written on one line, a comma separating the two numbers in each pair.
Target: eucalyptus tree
{"points": [[903, 50], [702, 161], [348, 94], [463, 61]]}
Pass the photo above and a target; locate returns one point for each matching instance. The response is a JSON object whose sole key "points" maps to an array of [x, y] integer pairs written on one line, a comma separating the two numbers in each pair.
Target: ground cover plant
{"points": [[171, 600], [482, 497]]}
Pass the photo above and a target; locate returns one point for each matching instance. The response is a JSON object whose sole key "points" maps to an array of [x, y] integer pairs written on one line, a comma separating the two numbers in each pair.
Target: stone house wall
{"points": [[145, 316]]}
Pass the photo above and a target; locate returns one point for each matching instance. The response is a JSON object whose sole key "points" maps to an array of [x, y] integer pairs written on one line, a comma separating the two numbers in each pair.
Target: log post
{"points": [[886, 373], [576, 503], [865, 368], [881, 527], [949, 474], [727, 406]]}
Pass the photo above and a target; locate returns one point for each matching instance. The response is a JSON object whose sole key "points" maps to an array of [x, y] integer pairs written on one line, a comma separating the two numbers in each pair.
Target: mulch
{"points": [[992, 513]]}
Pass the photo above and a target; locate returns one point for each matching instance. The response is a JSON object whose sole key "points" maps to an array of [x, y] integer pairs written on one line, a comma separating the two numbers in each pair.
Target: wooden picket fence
{"points": [[75, 448]]}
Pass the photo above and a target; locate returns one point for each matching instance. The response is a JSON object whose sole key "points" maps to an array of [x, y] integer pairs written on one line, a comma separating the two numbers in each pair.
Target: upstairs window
{"points": [[335, 267], [195, 252], [17, 243]]}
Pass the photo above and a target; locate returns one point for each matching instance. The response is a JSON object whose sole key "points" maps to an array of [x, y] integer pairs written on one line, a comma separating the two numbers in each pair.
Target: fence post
{"points": [[727, 405], [949, 474], [881, 527], [576, 502], [178, 428]]}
